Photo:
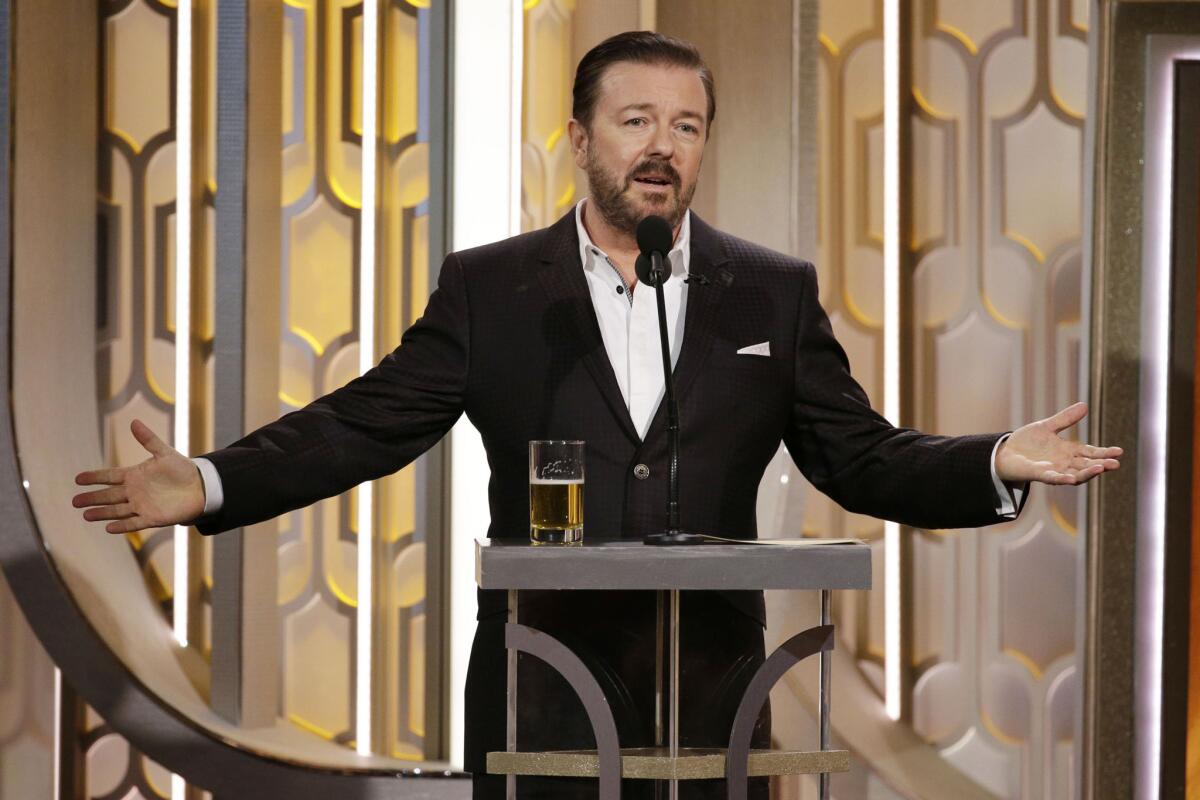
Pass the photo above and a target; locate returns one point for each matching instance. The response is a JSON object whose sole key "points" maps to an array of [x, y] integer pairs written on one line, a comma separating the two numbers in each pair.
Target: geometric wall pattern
{"points": [[135, 357], [1000, 92], [319, 340], [319, 336], [997, 155], [547, 164]]}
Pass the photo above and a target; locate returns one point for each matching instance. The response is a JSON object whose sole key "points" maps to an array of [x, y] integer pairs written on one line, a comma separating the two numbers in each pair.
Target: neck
{"points": [[610, 239]]}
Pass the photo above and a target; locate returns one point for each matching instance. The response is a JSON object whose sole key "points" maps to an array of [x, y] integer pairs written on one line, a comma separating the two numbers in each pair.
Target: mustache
{"points": [[655, 168]]}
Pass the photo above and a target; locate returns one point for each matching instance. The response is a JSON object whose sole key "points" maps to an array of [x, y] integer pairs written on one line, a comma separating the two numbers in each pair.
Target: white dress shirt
{"points": [[629, 327], [629, 320]]}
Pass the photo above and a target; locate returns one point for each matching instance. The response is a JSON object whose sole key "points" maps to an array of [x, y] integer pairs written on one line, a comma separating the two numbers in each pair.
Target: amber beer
{"points": [[556, 492], [555, 511]]}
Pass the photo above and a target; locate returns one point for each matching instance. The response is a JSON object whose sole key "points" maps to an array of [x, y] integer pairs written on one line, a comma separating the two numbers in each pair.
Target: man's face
{"points": [[643, 148]]}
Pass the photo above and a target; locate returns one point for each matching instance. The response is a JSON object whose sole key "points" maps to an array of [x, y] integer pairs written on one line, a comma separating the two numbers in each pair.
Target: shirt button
{"points": [[641, 472]]}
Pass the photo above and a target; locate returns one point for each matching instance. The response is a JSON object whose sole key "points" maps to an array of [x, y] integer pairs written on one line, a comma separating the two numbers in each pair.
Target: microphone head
{"points": [[654, 236], [645, 273]]}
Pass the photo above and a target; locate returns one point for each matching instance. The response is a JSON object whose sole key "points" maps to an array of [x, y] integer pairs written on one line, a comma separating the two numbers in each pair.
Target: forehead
{"points": [[666, 87]]}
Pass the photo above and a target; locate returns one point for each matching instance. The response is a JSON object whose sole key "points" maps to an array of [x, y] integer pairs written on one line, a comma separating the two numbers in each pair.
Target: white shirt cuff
{"points": [[214, 497], [1008, 496]]}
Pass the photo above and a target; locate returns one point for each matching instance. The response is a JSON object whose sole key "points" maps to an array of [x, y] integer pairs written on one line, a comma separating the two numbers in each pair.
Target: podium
{"points": [[616, 564]]}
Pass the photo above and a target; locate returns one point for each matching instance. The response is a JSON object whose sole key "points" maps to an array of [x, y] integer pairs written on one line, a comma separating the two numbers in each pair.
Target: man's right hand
{"points": [[165, 489]]}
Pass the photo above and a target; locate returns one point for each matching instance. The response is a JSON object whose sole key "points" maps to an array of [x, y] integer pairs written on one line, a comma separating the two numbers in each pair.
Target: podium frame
{"points": [[617, 564]]}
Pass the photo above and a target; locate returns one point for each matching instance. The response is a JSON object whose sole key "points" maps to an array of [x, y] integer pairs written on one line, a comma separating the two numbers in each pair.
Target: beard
{"points": [[610, 194]]}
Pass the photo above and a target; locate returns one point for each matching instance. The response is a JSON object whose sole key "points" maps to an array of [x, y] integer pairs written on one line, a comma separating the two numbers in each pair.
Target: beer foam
{"points": [[554, 481]]}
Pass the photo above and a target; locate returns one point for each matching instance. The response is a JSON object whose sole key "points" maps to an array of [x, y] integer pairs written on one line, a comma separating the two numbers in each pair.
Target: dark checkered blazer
{"points": [[510, 338]]}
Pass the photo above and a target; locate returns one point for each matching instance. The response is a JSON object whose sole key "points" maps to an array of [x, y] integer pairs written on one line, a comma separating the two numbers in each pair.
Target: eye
{"points": [[636, 122], [687, 127]]}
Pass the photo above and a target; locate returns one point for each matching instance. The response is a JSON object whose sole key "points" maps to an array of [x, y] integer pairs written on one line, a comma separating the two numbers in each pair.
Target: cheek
{"points": [[689, 170]]}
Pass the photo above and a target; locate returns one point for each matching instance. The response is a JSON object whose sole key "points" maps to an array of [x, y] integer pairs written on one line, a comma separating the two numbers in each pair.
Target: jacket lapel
{"points": [[561, 276], [708, 280]]}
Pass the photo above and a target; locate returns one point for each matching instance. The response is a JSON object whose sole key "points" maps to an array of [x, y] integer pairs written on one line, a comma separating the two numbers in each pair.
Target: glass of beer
{"points": [[556, 492]]}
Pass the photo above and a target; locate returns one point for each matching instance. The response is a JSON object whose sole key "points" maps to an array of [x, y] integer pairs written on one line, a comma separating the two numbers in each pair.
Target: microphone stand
{"points": [[673, 535]]}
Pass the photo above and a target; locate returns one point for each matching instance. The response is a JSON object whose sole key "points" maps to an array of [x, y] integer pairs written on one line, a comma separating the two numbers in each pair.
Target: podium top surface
{"points": [[629, 564]]}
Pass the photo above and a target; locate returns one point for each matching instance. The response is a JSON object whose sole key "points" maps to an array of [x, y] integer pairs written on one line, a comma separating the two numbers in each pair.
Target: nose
{"points": [[662, 145]]}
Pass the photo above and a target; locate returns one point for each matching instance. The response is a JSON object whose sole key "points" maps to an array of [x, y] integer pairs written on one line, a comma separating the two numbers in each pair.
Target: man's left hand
{"points": [[1037, 453]]}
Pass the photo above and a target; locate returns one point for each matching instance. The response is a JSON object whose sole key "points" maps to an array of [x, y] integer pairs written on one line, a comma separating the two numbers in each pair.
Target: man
{"points": [[548, 335]]}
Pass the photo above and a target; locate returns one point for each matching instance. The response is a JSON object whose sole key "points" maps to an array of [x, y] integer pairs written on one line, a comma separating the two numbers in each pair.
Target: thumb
{"points": [[147, 439], [1068, 416]]}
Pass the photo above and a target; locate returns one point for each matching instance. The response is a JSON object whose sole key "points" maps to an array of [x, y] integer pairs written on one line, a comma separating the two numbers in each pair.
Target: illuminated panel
{"points": [[366, 360], [183, 294], [486, 207], [891, 338], [1152, 433]]}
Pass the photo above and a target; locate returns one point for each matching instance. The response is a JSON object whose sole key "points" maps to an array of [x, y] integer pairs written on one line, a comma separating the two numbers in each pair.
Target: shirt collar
{"points": [[680, 255]]}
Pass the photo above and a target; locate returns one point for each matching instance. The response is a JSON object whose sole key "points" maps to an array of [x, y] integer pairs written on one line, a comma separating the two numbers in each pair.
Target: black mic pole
{"points": [[673, 535], [672, 407]]}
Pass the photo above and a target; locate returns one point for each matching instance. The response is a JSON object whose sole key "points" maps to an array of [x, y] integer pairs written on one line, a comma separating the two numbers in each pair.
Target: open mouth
{"points": [[650, 180]]}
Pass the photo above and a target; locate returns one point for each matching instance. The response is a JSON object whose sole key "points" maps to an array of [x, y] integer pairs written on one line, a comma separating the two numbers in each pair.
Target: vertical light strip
{"points": [[516, 82], [183, 293], [1152, 434], [485, 207], [178, 788], [891, 339], [366, 360], [58, 733]]}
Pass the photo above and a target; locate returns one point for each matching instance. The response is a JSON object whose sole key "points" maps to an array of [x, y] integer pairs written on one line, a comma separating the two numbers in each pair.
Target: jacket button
{"points": [[641, 472]]}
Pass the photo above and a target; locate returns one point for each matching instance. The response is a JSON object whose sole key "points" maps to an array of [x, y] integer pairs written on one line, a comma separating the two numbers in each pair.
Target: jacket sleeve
{"points": [[374, 425], [854, 455]]}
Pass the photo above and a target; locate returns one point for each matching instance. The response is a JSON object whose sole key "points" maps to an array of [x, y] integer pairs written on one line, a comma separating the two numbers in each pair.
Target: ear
{"points": [[578, 135]]}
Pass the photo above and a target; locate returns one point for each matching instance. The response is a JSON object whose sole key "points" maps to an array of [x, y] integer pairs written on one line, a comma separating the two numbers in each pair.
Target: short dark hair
{"points": [[642, 47]]}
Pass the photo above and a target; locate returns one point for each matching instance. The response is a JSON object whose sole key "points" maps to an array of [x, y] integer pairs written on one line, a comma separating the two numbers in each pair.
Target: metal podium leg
{"points": [[674, 731], [510, 781], [823, 700], [659, 669]]}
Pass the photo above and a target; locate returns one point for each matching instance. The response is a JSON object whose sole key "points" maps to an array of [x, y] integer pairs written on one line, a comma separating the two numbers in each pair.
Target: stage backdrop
{"points": [[996, 98]]}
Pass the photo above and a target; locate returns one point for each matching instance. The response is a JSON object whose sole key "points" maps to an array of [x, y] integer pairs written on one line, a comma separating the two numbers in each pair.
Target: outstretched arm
{"points": [[372, 426], [855, 456]]}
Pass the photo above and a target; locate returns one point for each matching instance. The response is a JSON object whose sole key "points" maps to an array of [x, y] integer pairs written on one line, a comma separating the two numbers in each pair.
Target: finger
{"points": [[1080, 463], [117, 494], [1086, 475], [1091, 451], [1068, 416], [147, 438], [126, 525], [1056, 478], [94, 476], [118, 511]]}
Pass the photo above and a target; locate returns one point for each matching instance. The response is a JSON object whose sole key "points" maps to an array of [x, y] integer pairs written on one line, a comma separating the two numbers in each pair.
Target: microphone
{"points": [[654, 239]]}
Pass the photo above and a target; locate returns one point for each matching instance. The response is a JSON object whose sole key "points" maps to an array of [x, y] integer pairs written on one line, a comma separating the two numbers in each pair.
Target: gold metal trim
{"points": [[654, 763]]}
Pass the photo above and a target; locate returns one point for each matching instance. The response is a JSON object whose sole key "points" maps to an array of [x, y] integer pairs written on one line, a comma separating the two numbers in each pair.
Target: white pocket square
{"points": [[760, 349]]}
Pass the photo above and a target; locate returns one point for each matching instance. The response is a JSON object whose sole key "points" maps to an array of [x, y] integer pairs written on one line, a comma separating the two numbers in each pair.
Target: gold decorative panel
{"points": [[547, 165], [321, 179], [135, 359], [849, 261], [322, 199], [997, 203]]}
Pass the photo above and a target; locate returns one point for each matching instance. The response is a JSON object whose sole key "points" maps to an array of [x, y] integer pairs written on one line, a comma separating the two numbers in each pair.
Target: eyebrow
{"points": [[650, 107]]}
